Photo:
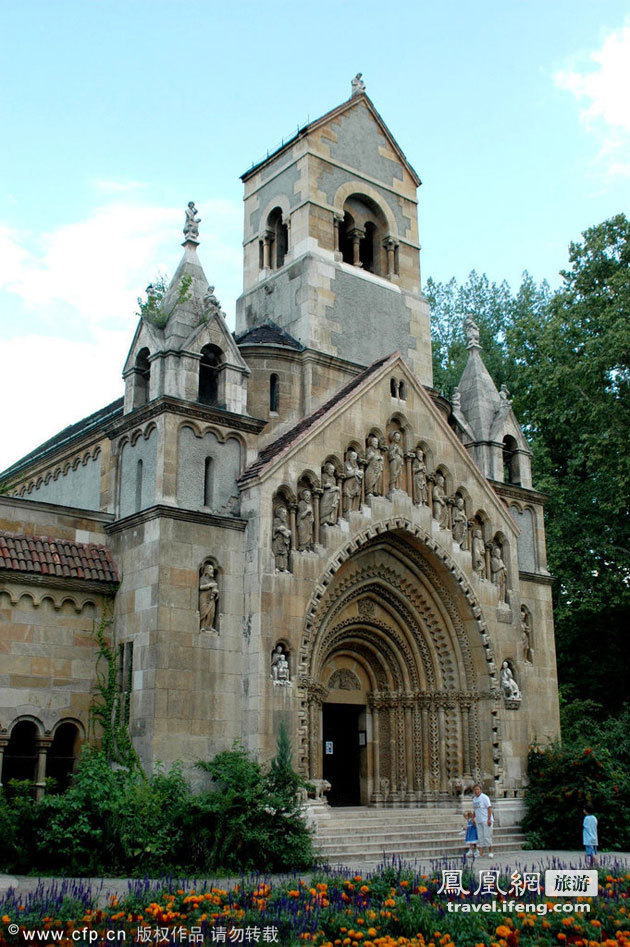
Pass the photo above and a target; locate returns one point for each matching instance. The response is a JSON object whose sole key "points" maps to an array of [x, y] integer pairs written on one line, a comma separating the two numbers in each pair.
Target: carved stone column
{"points": [[293, 527], [42, 744], [488, 555], [407, 709], [337, 222], [317, 494], [377, 795], [430, 482], [316, 695], [356, 235], [465, 728], [442, 741], [267, 239], [426, 748], [409, 456], [390, 245]]}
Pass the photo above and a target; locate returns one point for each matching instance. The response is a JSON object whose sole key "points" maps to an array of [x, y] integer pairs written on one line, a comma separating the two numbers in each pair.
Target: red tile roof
{"points": [[41, 555]]}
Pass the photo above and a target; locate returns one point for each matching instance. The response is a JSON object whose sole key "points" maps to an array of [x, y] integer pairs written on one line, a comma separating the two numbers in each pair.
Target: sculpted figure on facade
{"points": [[499, 572], [305, 521], [352, 478], [479, 553], [509, 686], [374, 467], [526, 635], [419, 473], [191, 225], [440, 506], [459, 525], [281, 539], [329, 503], [280, 666], [396, 458], [210, 301], [208, 598]]}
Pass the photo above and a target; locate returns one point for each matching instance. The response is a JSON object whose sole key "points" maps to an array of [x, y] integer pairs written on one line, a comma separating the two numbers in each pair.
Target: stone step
{"points": [[375, 853], [374, 838]]}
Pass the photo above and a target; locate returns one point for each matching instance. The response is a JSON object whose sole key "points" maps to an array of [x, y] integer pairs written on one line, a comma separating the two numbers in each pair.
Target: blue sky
{"points": [[516, 115]]}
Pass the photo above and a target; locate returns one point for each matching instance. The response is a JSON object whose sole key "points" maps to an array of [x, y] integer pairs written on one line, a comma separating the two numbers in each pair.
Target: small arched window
{"points": [[402, 392], [393, 387], [20, 755], [62, 755], [138, 486], [208, 481], [362, 233], [143, 377], [275, 242], [511, 473], [211, 357], [274, 394]]}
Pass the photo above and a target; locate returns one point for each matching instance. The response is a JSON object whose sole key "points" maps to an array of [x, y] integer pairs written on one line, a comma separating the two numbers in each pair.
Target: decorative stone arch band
{"points": [[423, 702]]}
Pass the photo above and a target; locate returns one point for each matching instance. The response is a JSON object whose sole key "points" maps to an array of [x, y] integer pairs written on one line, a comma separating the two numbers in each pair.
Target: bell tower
{"points": [[331, 251]]}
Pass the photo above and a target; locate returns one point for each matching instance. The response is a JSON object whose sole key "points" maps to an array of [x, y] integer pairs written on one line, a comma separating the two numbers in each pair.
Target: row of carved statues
{"points": [[298, 525]]}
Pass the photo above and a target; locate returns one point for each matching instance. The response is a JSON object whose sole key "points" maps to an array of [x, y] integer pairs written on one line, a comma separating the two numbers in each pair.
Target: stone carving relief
{"points": [[305, 521], [499, 572], [329, 503], [396, 458], [479, 553], [344, 680], [459, 526], [208, 598], [440, 506], [373, 468], [366, 607], [419, 474], [280, 674], [511, 690], [526, 635], [281, 539], [352, 477], [472, 333]]}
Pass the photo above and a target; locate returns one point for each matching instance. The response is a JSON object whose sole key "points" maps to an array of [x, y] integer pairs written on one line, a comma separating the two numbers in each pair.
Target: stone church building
{"points": [[288, 523]]}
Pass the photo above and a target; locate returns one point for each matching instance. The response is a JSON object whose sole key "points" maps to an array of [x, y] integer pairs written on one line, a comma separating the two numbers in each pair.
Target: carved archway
{"points": [[395, 610]]}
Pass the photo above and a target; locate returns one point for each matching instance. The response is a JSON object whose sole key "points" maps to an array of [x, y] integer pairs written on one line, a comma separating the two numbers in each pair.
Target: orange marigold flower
{"points": [[502, 931], [562, 936]]}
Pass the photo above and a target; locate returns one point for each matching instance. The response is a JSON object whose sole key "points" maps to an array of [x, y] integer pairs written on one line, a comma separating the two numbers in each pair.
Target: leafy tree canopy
{"points": [[566, 359]]}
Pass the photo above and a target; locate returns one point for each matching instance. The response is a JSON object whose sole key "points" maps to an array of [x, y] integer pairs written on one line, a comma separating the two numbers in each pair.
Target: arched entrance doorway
{"points": [[397, 676]]}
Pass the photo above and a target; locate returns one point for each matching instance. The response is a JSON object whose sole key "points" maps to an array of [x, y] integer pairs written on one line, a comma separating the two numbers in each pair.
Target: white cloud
{"points": [[601, 86]]}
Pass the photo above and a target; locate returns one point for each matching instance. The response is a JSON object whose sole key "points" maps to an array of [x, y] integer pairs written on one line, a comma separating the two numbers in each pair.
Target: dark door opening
{"points": [[342, 753]]}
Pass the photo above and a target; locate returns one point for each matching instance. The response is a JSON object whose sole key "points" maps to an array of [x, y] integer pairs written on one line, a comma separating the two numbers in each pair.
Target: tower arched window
{"points": [[143, 377], [362, 234], [211, 358], [274, 393], [511, 473], [274, 245]]}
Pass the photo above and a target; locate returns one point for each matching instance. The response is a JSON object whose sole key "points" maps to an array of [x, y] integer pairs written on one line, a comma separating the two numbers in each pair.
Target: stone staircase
{"points": [[358, 835]]}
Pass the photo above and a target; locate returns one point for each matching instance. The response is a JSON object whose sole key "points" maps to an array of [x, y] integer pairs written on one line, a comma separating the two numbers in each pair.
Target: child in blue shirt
{"points": [[589, 835], [471, 833]]}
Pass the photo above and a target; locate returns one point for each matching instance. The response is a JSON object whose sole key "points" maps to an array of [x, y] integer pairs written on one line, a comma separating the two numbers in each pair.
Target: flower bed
{"points": [[394, 906]]}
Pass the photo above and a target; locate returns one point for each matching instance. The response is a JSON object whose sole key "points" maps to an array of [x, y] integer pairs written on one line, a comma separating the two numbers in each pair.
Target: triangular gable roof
{"points": [[275, 453], [304, 132]]}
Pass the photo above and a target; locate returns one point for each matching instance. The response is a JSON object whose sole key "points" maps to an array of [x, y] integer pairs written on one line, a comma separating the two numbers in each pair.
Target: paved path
{"points": [[102, 888]]}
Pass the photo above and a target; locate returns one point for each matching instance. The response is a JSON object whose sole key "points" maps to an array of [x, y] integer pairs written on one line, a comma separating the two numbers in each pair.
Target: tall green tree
{"points": [[566, 359]]}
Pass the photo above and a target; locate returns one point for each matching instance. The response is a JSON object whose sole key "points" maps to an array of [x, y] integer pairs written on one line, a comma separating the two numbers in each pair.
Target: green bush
{"points": [[563, 778]]}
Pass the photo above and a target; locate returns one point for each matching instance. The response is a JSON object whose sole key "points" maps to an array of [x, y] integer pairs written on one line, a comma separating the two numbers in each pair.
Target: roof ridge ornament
{"points": [[357, 85], [472, 334], [191, 225]]}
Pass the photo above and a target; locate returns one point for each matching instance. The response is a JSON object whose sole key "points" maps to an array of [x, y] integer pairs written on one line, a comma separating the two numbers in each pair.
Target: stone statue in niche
{"points": [[526, 635], [357, 84], [191, 225], [419, 473], [499, 572], [440, 507], [479, 553], [281, 539], [280, 666], [305, 520], [329, 503], [396, 458], [459, 526], [374, 467], [352, 482], [510, 688], [208, 598]]}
